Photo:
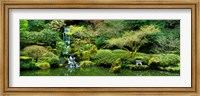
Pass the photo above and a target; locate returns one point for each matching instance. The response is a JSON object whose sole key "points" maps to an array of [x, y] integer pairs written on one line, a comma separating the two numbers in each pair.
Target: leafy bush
{"points": [[164, 60], [43, 65], [86, 63], [54, 61], [27, 63], [170, 60], [56, 25], [35, 51], [36, 25], [45, 37], [51, 58], [23, 25], [61, 48], [104, 57], [154, 62], [115, 69]]}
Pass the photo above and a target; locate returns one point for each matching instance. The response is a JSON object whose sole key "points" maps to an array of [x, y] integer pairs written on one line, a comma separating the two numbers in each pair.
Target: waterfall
{"points": [[71, 60]]}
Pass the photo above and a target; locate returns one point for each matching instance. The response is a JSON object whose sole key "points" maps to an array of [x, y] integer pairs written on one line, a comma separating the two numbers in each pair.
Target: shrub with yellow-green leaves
{"points": [[115, 69], [86, 63], [56, 25], [43, 65]]}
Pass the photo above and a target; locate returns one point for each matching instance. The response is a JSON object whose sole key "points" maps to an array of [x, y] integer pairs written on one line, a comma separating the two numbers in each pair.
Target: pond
{"points": [[95, 71]]}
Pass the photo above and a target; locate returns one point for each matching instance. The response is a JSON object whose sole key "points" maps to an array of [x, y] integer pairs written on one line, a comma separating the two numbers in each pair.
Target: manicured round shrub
{"points": [[104, 58]]}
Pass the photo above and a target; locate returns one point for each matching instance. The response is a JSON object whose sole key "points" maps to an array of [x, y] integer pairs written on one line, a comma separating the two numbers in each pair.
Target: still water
{"points": [[95, 71]]}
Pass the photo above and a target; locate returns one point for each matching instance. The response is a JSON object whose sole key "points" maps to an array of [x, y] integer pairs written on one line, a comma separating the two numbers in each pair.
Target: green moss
{"points": [[43, 65]]}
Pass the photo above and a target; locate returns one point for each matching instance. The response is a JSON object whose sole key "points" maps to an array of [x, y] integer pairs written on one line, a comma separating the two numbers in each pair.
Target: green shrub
{"points": [[35, 51], [123, 54], [23, 25], [164, 60], [43, 65], [137, 67], [61, 48], [104, 57], [131, 61], [86, 63], [86, 55], [27, 63], [54, 61], [108, 57], [51, 58], [56, 25], [115, 69], [144, 57], [154, 62], [169, 60], [45, 37]]}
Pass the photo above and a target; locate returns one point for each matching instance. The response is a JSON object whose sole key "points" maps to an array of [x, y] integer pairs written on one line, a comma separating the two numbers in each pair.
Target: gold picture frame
{"points": [[4, 48]]}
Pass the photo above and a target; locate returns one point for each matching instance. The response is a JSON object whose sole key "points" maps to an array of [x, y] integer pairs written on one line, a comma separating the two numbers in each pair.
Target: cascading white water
{"points": [[71, 60]]}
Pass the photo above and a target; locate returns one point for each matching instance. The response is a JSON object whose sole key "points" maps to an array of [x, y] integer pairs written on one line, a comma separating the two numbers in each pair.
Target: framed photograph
{"points": [[100, 48]]}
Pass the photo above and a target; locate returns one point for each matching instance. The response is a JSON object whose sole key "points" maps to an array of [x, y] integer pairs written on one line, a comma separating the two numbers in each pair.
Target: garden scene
{"points": [[99, 48]]}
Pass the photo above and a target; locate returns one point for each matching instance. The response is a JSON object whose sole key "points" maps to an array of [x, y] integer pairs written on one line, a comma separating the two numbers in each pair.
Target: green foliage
{"points": [[109, 57], [36, 25], [23, 25], [115, 69], [133, 39], [138, 67], [51, 58], [86, 63], [27, 63], [166, 41], [56, 25], [43, 65], [45, 37], [104, 57], [35, 51], [78, 31], [61, 48], [54, 61], [154, 62], [169, 60], [164, 60]]}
